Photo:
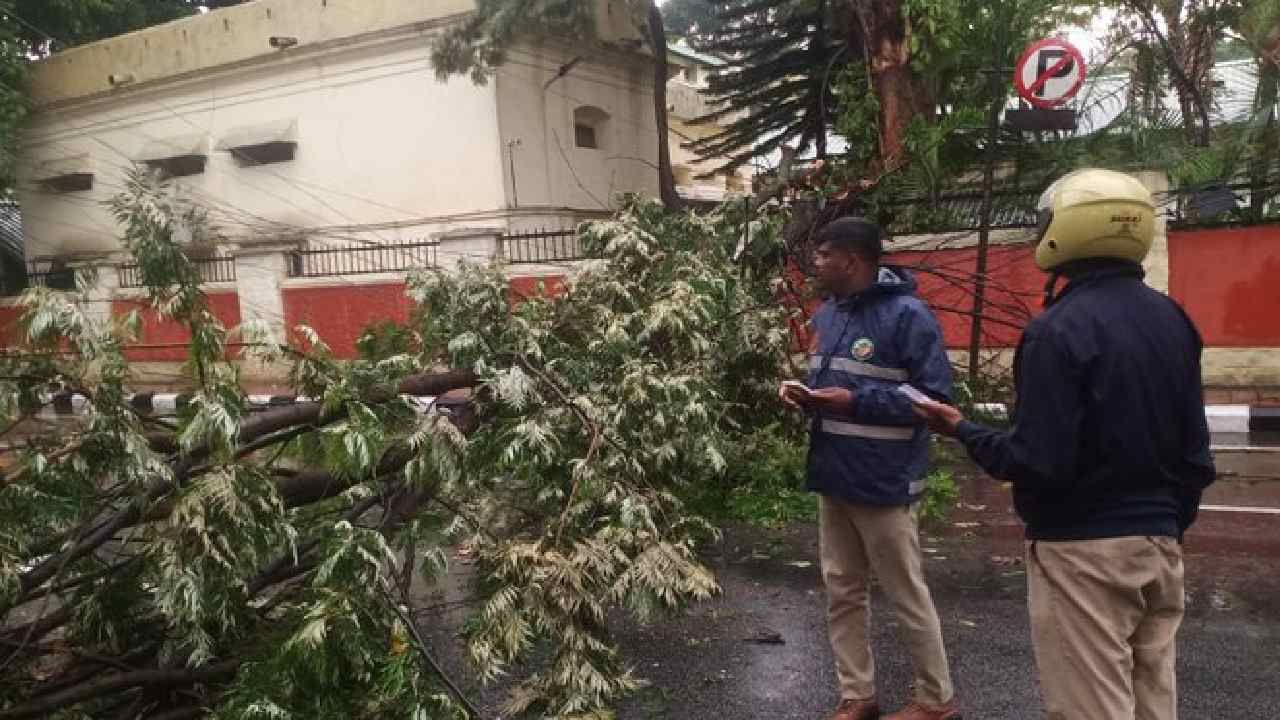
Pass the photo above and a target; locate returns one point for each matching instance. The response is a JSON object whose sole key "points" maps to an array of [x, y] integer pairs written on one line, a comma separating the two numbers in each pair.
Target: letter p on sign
{"points": [[1049, 73]]}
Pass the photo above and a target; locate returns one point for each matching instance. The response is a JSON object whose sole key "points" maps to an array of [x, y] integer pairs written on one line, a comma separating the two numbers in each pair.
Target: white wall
{"points": [[549, 169], [380, 141]]}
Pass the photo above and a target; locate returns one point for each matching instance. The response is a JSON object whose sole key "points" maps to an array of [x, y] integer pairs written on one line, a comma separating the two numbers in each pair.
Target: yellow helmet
{"points": [[1094, 213]]}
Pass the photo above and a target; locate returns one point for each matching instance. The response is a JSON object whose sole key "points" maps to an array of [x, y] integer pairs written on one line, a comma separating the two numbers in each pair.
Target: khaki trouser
{"points": [[1104, 614], [855, 541]]}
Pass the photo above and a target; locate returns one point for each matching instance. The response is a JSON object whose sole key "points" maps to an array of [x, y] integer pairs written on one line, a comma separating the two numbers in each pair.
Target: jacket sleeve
{"points": [[1040, 451], [924, 357], [1199, 471]]}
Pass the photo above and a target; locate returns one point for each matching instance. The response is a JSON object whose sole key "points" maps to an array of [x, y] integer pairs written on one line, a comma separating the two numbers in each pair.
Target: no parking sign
{"points": [[1049, 73]]}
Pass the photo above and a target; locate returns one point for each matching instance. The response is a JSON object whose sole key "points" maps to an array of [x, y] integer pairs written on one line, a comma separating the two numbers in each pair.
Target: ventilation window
{"points": [[589, 127], [68, 183], [177, 157], [265, 144], [66, 175]]}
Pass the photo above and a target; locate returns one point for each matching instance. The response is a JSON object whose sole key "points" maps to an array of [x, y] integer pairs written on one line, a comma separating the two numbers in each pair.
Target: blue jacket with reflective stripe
{"points": [[870, 343]]}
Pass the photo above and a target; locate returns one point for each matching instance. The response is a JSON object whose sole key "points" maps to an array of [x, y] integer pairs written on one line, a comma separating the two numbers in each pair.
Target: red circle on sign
{"points": [[1028, 93]]}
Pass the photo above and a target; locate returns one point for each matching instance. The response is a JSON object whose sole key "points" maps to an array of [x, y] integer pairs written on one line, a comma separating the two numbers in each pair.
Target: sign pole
{"points": [[1049, 73], [984, 226]]}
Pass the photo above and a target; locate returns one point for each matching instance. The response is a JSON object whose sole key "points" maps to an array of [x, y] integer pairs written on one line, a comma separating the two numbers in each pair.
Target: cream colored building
{"points": [[690, 71], [309, 121]]}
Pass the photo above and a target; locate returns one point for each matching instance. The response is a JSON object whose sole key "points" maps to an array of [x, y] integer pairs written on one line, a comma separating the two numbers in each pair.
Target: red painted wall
{"points": [[9, 330], [339, 314], [1229, 282], [527, 287], [945, 277], [157, 332]]}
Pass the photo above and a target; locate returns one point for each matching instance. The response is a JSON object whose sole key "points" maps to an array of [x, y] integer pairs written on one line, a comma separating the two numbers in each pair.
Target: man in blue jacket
{"points": [[1108, 455], [868, 454]]}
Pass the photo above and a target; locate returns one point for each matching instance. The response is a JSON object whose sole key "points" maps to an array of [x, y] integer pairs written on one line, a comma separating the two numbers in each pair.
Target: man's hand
{"points": [[831, 399], [834, 400], [942, 418], [791, 396]]}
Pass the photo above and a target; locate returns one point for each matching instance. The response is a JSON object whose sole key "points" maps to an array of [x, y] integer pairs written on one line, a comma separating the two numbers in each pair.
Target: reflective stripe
{"points": [[916, 487], [874, 432], [854, 367]]}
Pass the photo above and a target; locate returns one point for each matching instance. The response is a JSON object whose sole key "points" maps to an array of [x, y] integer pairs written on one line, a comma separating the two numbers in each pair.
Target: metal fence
{"points": [[961, 211], [1220, 204], [542, 246], [363, 259], [15, 277], [220, 269]]}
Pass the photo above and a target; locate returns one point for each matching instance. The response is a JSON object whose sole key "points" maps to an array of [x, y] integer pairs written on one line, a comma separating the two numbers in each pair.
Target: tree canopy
{"points": [[258, 563]]}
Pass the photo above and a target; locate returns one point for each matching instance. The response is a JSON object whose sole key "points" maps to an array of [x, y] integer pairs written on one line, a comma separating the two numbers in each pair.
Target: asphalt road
{"points": [[759, 650]]}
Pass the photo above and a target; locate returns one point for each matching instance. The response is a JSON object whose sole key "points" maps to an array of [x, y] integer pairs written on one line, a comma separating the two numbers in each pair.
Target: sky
{"points": [[1089, 39]]}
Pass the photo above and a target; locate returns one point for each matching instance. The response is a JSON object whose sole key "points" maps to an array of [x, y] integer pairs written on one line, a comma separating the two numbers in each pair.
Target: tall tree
{"points": [[1257, 24], [478, 45], [688, 17], [784, 57]]}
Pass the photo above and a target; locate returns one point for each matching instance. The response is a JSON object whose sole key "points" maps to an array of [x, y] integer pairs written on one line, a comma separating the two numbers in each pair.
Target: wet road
{"points": [[759, 650]]}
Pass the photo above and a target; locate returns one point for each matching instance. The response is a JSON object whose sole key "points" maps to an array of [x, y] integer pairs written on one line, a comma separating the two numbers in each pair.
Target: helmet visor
{"points": [[1044, 218], [1044, 207]]}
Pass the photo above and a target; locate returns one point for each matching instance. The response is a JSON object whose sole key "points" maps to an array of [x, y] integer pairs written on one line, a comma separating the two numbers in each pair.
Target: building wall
{"points": [[240, 35], [1223, 278], [686, 103], [10, 331], [164, 340], [228, 37], [536, 119], [1226, 281], [380, 141], [1014, 289], [339, 314]]}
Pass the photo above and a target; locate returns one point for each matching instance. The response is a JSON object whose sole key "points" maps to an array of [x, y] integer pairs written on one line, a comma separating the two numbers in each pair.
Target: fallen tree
{"points": [[260, 564]]}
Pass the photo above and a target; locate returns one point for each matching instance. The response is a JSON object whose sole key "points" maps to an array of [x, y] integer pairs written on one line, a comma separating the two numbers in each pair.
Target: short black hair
{"points": [[854, 235]]}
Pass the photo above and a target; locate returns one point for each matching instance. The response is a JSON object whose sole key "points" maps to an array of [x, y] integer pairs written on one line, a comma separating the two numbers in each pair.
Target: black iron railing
{"points": [[363, 258], [1220, 204], [542, 246], [14, 277], [212, 270]]}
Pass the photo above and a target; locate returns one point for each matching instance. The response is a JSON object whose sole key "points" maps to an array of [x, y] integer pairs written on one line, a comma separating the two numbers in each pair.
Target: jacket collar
{"points": [[1095, 270]]}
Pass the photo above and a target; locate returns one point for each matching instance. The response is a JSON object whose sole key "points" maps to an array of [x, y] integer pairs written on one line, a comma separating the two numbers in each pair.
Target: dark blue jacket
{"points": [[870, 343], [1109, 436]]}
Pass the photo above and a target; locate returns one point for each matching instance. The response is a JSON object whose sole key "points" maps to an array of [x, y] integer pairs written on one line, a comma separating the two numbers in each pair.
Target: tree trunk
{"points": [[1189, 60], [1264, 141], [658, 43], [821, 81], [901, 95]]}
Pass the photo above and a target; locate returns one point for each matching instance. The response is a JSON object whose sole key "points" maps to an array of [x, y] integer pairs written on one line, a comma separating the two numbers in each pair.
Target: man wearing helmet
{"points": [[1108, 455]]}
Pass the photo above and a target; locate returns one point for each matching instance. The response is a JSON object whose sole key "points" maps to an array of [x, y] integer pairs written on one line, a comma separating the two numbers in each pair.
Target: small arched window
{"points": [[589, 125]]}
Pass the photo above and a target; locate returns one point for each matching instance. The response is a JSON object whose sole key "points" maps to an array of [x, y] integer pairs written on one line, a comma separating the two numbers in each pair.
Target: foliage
{"points": [[940, 496], [478, 45], [687, 17], [605, 403], [53, 25], [257, 564], [764, 485], [784, 56]]}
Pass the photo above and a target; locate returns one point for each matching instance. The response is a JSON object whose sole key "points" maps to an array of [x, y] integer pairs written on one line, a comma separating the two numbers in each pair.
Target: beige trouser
{"points": [[856, 541], [1104, 614]]}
